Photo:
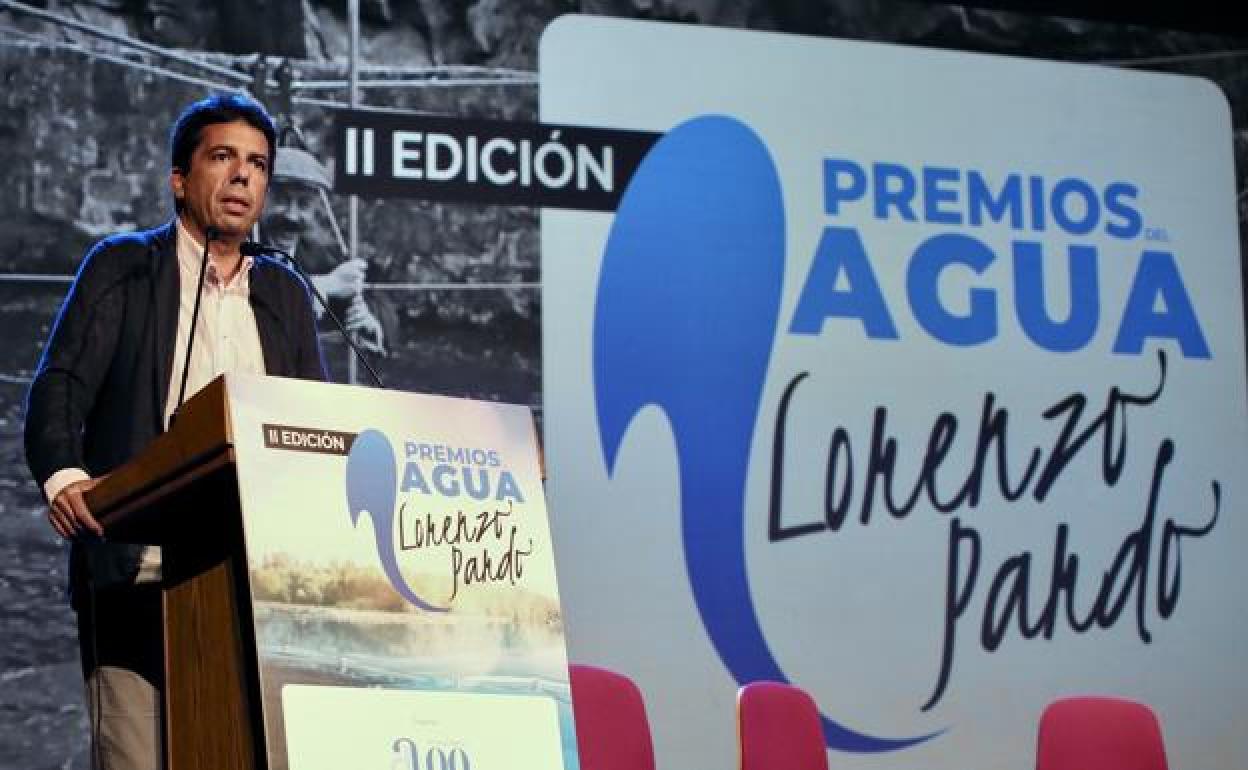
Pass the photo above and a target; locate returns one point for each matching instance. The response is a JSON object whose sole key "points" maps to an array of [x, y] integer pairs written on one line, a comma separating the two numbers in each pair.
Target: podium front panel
{"points": [[402, 580]]}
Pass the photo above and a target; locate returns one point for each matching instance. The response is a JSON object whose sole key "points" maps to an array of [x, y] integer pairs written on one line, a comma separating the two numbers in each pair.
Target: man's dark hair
{"points": [[219, 108]]}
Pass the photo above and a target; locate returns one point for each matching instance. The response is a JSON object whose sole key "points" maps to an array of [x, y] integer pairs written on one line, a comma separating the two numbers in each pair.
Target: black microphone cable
{"points": [[253, 249]]}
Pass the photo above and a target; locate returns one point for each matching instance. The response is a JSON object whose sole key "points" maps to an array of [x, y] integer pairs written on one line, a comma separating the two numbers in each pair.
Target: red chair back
{"points": [[778, 728], [1100, 733], [612, 731]]}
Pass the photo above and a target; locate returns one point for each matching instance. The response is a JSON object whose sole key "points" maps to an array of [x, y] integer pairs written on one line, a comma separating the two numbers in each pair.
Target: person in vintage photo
{"points": [[298, 221]]}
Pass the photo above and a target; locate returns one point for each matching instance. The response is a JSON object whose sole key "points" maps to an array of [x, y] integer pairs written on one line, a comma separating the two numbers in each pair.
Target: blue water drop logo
{"points": [[372, 491], [686, 314]]}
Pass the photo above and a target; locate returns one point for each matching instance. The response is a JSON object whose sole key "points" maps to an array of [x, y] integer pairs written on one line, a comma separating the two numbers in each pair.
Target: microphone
{"points": [[253, 249], [210, 234]]}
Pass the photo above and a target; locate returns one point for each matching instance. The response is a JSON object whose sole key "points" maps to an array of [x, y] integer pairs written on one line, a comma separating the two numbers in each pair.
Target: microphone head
{"points": [[251, 249], [211, 234]]}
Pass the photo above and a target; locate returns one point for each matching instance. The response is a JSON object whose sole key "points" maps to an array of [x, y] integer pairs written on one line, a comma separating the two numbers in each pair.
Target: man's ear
{"points": [[177, 183]]}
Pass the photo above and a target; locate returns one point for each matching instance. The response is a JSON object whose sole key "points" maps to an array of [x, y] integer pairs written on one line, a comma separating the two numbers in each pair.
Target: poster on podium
{"points": [[399, 557]]}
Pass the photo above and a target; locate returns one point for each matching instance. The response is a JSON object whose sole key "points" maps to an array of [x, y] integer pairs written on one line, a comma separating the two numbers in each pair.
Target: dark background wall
{"points": [[83, 153]]}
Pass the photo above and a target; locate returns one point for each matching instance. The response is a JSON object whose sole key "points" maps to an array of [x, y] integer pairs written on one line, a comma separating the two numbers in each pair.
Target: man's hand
{"points": [[68, 513], [345, 280], [364, 327]]}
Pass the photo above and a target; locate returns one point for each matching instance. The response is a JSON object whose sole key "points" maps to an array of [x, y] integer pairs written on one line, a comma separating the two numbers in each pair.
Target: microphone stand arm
{"points": [[307, 281]]}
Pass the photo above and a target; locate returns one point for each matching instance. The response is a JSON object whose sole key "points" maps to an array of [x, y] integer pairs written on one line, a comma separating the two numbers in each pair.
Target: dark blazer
{"points": [[99, 394]]}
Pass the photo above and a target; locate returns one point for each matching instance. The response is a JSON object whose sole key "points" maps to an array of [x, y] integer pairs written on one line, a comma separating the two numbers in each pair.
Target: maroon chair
{"points": [[1099, 733], [612, 731], [778, 728]]}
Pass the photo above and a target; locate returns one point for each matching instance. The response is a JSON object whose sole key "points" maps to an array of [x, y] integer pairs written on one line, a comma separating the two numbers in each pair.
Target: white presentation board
{"points": [[913, 377]]}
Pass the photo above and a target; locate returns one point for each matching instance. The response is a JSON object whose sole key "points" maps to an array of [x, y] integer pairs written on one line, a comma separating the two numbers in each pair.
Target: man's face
{"points": [[291, 213], [225, 185]]}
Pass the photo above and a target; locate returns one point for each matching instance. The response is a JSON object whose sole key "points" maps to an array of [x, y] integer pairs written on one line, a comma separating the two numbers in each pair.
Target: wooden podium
{"points": [[332, 597], [181, 493]]}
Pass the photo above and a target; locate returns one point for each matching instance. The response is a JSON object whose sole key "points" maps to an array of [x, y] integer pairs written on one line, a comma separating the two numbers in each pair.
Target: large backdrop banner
{"points": [[913, 377]]}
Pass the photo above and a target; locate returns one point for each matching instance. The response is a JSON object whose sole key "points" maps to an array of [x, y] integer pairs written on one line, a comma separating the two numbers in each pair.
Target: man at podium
{"points": [[127, 347]]}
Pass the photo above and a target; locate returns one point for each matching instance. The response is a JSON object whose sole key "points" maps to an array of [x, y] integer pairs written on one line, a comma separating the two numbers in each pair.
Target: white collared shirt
{"points": [[226, 337]]}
